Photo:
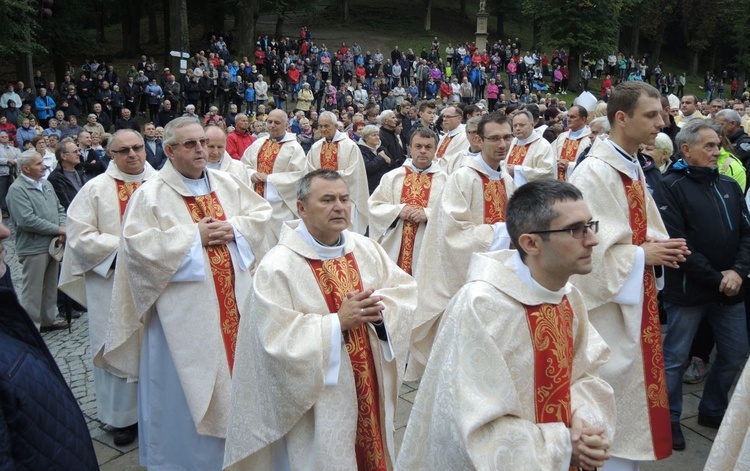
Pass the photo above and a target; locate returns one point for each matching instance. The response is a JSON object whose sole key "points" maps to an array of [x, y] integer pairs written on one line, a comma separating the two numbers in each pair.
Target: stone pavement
{"points": [[71, 351]]}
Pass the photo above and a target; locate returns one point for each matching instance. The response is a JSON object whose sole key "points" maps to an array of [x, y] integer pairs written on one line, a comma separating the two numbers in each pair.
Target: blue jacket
{"points": [[41, 424], [41, 105]]}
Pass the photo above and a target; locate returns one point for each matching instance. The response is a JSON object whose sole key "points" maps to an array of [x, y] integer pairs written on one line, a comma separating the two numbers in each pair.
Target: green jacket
{"points": [[731, 167], [38, 216]]}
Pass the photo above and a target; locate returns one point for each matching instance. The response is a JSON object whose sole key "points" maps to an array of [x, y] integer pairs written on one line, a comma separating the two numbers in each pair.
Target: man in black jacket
{"points": [[389, 140], [731, 123], [68, 177], [709, 211]]}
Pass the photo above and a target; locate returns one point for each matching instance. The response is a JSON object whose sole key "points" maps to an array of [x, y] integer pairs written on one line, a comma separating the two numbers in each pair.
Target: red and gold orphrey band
{"points": [[336, 278], [124, 192], [495, 199], [569, 151], [551, 329], [266, 158], [651, 346], [444, 146], [415, 192], [518, 154], [222, 271], [329, 156]]}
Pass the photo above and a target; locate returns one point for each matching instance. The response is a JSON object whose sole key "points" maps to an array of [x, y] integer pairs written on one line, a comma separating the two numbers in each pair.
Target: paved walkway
{"points": [[71, 351]]}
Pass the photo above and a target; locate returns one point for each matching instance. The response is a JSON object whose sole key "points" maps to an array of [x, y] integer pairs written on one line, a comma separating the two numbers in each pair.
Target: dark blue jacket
{"points": [[41, 424], [709, 211]]}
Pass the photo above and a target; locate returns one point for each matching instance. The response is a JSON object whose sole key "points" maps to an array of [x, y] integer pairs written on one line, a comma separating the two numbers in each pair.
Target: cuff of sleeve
{"points": [[630, 293], [334, 359], [501, 239]]}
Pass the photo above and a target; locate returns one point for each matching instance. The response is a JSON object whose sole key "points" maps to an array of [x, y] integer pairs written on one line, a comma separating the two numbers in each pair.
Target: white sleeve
{"points": [[245, 254], [334, 359], [272, 194], [501, 240], [104, 269], [631, 290], [518, 176], [193, 267]]}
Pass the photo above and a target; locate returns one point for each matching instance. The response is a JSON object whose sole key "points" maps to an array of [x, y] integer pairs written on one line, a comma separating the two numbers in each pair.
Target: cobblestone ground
{"points": [[73, 356]]}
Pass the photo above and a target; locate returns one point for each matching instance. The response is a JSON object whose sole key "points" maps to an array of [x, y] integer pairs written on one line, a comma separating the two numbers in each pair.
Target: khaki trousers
{"points": [[39, 291]]}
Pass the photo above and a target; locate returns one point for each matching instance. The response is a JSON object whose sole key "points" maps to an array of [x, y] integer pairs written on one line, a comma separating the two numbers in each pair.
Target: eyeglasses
{"points": [[577, 232], [496, 139], [126, 150], [192, 143]]}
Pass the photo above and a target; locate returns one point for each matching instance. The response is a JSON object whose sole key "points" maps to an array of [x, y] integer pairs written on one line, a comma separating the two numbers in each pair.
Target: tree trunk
{"points": [[179, 39], [462, 9], [153, 30], [167, 29], [246, 15], [617, 38], [693, 69], [279, 24], [714, 53], [574, 70], [215, 21], [131, 27], [428, 16], [536, 32], [100, 16], [636, 36], [656, 45], [343, 10], [500, 16]]}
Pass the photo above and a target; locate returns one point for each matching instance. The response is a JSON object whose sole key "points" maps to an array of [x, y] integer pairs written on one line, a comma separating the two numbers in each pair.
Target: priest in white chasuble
{"points": [[191, 239], [336, 151], [512, 380], [528, 158], [731, 448], [454, 141], [469, 218], [620, 293], [401, 206], [569, 145], [321, 356], [452, 162], [275, 163], [93, 229], [219, 158]]}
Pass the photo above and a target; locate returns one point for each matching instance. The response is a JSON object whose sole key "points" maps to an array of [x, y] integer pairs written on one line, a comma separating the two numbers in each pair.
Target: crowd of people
{"points": [[259, 280]]}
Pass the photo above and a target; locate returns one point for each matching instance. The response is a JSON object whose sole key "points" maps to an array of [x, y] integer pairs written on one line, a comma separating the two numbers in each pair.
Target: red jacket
{"points": [[237, 143], [446, 90]]}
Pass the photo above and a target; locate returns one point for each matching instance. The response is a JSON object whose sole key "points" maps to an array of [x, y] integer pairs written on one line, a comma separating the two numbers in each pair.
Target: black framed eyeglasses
{"points": [[577, 232]]}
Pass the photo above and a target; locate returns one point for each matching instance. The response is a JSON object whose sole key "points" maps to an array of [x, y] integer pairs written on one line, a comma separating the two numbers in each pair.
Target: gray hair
{"points": [[61, 147], [328, 115], [664, 143], [526, 113], [689, 133], [730, 115], [530, 208], [24, 160], [606, 127], [171, 128], [368, 131], [387, 114], [474, 122], [303, 184]]}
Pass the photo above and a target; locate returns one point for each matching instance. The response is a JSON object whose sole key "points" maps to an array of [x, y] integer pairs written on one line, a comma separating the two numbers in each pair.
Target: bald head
{"points": [[217, 143]]}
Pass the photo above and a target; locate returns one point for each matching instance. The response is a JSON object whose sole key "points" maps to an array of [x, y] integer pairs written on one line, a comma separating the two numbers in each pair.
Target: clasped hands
{"points": [[360, 307], [414, 214], [215, 232], [590, 446]]}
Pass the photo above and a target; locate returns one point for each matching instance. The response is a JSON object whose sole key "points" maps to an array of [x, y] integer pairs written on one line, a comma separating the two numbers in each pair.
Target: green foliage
{"points": [[582, 25], [19, 24], [63, 35]]}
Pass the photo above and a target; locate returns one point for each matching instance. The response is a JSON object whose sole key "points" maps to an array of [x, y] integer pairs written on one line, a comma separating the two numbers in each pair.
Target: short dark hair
{"points": [[423, 105], [534, 110], [530, 207], [582, 112], [496, 118], [303, 185], [625, 97], [424, 132]]}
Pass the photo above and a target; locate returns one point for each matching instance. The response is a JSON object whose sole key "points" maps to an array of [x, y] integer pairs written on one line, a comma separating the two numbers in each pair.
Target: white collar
{"points": [[36, 184], [197, 187], [325, 252], [576, 134], [492, 173], [540, 292]]}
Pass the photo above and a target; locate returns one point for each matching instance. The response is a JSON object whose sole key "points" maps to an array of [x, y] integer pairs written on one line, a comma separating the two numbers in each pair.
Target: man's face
{"points": [[739, 108], [327, 128], [495, 143], [73, 121], [35, 169], [84, 140], [25, 123], [125, 113], [327, 210], [149, 131], [70, 154], [451, 119], [167, 105], [428, 115], [276, 124], [705, 153], [596, 129], [129, 153], [97, 108], [422, 151], [217, 143], [241, 122], [729, 127], [687, 105], [575, 120], [562, 255], [53, 123], [716, 107], [188, 152], [4, 139], [522, 127], [646, 121]]}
